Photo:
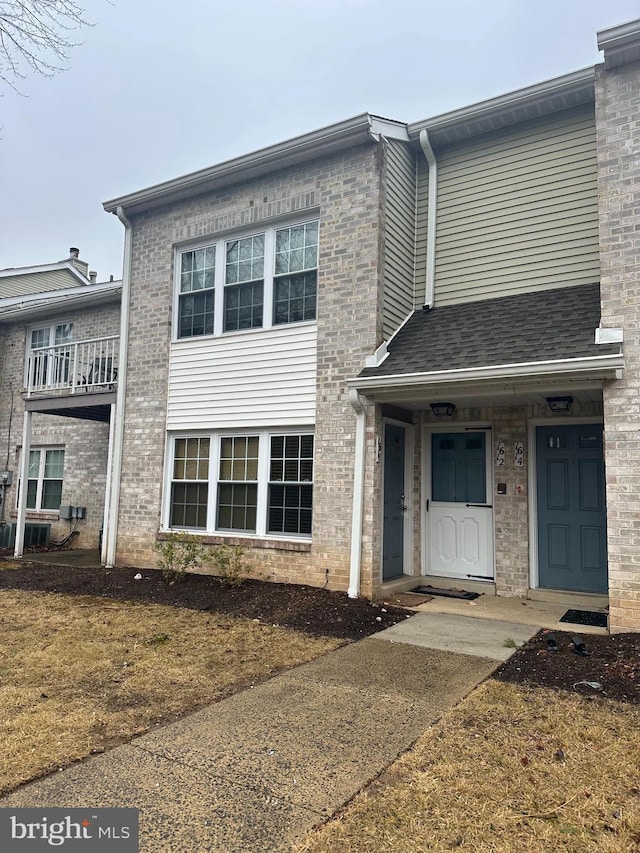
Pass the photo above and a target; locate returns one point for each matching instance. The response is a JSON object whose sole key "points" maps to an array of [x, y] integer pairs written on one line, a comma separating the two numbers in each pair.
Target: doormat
{"points": [[585, 617], [447, 593]]}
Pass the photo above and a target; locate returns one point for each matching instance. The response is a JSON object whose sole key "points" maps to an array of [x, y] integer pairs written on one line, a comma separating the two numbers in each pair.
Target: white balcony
{"points": [[74, 368]]}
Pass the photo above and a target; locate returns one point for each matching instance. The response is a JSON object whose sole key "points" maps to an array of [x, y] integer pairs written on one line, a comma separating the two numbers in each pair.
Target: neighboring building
{"points": [[342, 351], [57, 327]]}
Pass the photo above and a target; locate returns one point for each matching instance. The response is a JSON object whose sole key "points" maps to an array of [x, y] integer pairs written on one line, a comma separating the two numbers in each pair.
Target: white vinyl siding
{"points": [[517, 211], [244, 379], [399, 234]]}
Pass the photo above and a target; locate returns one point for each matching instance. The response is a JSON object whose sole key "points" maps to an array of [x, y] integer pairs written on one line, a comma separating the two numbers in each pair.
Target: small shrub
{"points": [[229, 564], [177, 555]]}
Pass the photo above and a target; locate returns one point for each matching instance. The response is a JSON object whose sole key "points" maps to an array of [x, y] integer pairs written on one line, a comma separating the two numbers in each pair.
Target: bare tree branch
{"points": [[36, 36]]}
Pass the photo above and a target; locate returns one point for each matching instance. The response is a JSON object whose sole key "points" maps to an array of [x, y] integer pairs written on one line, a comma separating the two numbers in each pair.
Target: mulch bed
{"points": [[316, 612], [613, 662]]}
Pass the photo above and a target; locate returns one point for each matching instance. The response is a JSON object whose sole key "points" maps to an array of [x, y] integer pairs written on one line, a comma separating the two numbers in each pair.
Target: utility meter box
{"points": [[65, 511]]}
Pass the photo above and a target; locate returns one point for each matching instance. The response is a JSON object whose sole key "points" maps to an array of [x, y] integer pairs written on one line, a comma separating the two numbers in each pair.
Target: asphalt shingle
{"points": [[538, 326]]}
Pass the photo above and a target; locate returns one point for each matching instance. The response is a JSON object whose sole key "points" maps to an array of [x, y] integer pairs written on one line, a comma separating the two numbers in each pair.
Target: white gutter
{"points": [[611, 362], [325, 140], [359, 404], [548, 96], [432, 213], [22, 308], [620, 44], [118, 425]]}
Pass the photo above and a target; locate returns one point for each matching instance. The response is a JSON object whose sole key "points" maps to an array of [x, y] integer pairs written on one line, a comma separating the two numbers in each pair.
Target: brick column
{"points": [[618, 146]]}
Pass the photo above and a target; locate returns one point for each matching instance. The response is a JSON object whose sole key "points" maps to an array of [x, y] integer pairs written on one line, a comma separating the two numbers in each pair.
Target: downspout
{"points": [[118, 425], [359, 404], [432, 213]]}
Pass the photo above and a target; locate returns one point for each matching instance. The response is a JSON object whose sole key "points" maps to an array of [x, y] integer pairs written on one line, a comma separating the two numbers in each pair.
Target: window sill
{"points": [[37, 515], [244, 541]]}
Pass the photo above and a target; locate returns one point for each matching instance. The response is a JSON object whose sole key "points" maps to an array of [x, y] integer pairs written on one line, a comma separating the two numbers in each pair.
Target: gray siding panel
{"points": [[37, 282], [399, 234], [517, 211]]}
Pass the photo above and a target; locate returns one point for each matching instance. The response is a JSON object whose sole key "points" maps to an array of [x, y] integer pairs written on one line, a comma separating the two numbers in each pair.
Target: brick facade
{"points": [[85, 442], [618, 137], [345, 189]]}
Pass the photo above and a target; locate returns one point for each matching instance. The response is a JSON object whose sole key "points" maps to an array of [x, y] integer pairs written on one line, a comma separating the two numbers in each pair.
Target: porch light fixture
{"points": [[442, 409], [560, 404]]}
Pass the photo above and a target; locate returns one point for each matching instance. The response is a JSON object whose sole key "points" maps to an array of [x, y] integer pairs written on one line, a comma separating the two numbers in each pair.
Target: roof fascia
{"points": [[620, 44], [588, 364], [44, 268], [326, 140], [16, 307], [550, 96]]}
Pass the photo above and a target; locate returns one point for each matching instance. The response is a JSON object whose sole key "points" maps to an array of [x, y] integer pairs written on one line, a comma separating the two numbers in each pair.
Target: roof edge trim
{"points": [[45, 268], [327, 139], [612, 361], [577, 86]]}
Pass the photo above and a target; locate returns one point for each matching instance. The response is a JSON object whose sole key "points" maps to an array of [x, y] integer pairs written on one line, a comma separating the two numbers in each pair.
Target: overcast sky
{"points": [[158, 89]]}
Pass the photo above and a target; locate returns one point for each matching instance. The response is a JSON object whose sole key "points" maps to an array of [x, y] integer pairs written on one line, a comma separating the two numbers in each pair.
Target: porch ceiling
{"points": [[89, 407], [503, 396]]}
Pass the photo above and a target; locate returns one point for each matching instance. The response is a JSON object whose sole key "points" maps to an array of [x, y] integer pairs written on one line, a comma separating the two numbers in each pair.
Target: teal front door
{"points": [[394, 502], [572, 520]]}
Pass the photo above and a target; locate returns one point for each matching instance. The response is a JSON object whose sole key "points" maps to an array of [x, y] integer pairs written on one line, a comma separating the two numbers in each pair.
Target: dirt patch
{"points": [[317, 612], [611, 661]]}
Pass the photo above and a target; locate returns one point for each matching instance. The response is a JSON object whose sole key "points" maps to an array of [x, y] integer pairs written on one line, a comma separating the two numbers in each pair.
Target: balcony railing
{"points": [[77, 367]]}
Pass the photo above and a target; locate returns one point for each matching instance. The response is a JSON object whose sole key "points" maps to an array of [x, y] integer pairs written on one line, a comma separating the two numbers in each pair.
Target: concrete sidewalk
{"points": [[259, 769]]}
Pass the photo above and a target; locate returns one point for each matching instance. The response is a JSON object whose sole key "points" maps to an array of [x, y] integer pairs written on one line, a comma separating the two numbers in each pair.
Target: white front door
{"points": [[459, 511]]}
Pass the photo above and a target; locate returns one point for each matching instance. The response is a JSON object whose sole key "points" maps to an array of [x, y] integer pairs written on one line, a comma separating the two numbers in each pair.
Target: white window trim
{"points": [[269, 233], [41, 478], [264, 437]]}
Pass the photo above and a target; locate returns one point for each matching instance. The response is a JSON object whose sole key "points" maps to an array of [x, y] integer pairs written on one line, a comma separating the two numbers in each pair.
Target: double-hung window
{"points": [[238, 483], [290, 484], [254, 281], [196, 292], [258, 483], [190, 483], [45, 478]]}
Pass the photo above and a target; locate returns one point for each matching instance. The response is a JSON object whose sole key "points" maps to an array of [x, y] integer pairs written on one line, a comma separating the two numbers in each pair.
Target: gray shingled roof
{"points": [[539, 326]]}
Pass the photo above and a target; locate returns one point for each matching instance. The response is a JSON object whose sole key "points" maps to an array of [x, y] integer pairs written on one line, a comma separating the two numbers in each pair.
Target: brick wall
{"points": [[511, 510], [346, 191], [85, 442], [618, 138]]}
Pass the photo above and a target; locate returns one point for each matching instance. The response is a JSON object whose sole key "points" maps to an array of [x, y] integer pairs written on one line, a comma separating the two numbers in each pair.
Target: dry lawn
{"points": [[79, 674], [510, 770]]}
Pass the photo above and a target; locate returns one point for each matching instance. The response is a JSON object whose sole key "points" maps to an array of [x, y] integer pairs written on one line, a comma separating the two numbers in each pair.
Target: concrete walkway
{"points": [[259, 769]]}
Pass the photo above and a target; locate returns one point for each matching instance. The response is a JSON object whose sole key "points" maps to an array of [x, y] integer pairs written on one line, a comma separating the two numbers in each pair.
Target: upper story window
{"points": [[50, 367], [255, 281]]}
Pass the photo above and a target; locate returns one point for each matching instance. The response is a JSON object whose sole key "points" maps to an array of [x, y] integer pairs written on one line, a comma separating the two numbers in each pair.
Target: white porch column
{"points": [[358, 402], [108, 488], [24, 476]]}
